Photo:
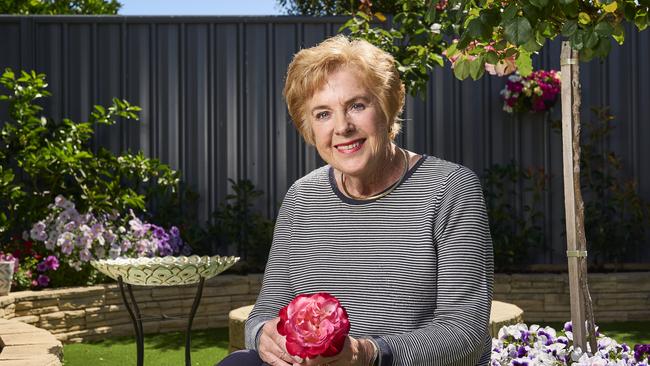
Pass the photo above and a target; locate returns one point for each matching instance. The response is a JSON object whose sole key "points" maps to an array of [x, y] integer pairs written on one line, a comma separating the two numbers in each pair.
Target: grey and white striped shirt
{"points": [[413, 269]]}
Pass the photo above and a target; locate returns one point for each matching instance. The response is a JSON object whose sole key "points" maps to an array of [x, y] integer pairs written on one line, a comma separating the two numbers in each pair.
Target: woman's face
{"points": [[348, 127]]}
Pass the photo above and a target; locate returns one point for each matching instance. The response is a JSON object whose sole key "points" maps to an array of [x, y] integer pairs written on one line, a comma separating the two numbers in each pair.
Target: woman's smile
{"points": [[350, 147]]}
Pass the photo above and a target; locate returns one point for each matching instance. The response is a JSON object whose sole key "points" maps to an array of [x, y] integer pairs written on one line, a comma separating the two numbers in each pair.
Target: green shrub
{"points": [[237, 227], [514, 232], [616, 217]]}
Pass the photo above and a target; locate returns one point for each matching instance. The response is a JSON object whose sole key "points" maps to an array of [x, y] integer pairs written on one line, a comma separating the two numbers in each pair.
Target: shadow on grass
{"points": [[201, 339]]}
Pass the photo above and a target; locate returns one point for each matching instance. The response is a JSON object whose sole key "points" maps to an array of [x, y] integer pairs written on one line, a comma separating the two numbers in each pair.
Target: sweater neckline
{"points": [[352, 201]]}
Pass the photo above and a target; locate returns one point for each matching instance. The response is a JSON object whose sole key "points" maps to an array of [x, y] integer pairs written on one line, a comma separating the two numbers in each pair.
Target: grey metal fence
{"points": [[210, 92]]}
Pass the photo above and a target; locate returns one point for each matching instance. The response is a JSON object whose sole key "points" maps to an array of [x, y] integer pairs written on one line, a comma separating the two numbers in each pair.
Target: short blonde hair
{"points": [[310, 68]]}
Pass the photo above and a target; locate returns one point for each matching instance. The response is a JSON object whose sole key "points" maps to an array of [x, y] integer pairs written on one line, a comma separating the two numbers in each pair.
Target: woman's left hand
{"points": [[355, 352]]}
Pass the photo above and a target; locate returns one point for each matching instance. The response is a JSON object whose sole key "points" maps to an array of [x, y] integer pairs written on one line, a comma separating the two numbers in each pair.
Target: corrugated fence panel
{"points": [[210, 89]]}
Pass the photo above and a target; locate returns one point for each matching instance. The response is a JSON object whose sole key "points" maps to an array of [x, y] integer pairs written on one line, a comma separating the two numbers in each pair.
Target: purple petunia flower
{"points": [[43, 280], [52, 262], [42, 267]]}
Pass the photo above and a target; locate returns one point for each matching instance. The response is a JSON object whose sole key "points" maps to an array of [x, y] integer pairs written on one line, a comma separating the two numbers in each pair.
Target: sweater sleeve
{"points": [[458, 333], [276, 290]]}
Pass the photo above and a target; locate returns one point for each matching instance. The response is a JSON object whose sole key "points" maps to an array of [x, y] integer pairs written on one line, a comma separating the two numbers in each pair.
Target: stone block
{"points": [[206, 300], [42, 310], [29, 319], [75, 314], [230, 289], [81, 292], [10, 308], [80, 303], [502, 288], [166, 293], [53, 316]]}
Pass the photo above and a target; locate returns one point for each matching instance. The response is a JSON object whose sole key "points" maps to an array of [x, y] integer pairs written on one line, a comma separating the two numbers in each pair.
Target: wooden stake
{"points": [[581, 306]]}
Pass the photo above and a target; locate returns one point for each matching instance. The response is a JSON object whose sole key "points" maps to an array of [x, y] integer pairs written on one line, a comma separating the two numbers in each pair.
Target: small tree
{"points": [[53, 7], [495, 34]]}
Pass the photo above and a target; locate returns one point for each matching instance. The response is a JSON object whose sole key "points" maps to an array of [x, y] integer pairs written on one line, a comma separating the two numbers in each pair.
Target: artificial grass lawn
{"points": [[630, 333], [168, 349], [211, 346]]}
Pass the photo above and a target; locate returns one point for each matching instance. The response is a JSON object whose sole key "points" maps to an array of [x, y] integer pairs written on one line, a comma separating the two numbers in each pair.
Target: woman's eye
{"points": [[321, 115], [357, 107]]}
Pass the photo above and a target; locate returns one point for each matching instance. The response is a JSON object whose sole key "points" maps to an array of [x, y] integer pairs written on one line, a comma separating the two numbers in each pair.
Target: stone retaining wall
{"points": [[88, 313], [544, 297]]}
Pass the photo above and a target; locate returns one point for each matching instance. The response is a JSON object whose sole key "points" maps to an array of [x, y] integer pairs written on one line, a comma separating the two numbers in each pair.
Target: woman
{"points": [[401, 239]]}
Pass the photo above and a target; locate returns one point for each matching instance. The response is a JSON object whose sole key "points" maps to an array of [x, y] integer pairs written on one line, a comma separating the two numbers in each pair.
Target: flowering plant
{"points": [[31, 269], [519, 345], [314, 325], [536, 92], [79, 238]]}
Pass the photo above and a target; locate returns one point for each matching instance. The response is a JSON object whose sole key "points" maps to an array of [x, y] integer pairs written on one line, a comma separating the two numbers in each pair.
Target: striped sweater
{"points": [[413, 269]]}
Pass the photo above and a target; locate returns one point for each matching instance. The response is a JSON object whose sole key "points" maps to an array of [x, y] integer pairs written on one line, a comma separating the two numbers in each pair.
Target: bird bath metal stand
{"points": [[166, 271]]}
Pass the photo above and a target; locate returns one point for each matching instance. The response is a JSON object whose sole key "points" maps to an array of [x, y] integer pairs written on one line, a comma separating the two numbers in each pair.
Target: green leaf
{"points": [[510, 12], [577, 40], [566, 2], [464, 40], [477, 68], [451, 50], [491, 17], [539, 3], [604, 29], [544, 28], [584, 18], [586, 54], [604, 47], [461, 68], [532, 45], [629, 10], [524, 63], [532, 13], [569, 28], [518, 31], [430, 16], [478, 30], [619, 33], [591, 39], [641, 21], [491, 57]]}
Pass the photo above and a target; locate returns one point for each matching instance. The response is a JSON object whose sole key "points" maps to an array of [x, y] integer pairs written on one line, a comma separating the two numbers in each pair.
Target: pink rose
{"points": [[314, 325]]}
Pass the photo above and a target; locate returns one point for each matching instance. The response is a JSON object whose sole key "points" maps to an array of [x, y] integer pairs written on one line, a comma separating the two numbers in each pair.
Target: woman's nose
{"points": [[343, 124]]}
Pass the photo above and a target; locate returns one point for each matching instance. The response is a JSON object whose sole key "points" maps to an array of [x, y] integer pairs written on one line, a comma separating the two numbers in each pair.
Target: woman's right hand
{"points": [[272, 346]]}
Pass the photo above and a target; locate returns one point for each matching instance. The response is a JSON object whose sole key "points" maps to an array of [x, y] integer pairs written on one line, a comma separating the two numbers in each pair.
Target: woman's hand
{"points": [[272, 348], [355, 352]]}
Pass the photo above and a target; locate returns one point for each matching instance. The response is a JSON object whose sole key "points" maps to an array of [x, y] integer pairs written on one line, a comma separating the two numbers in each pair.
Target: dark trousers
{"points": [[245, 357]]}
